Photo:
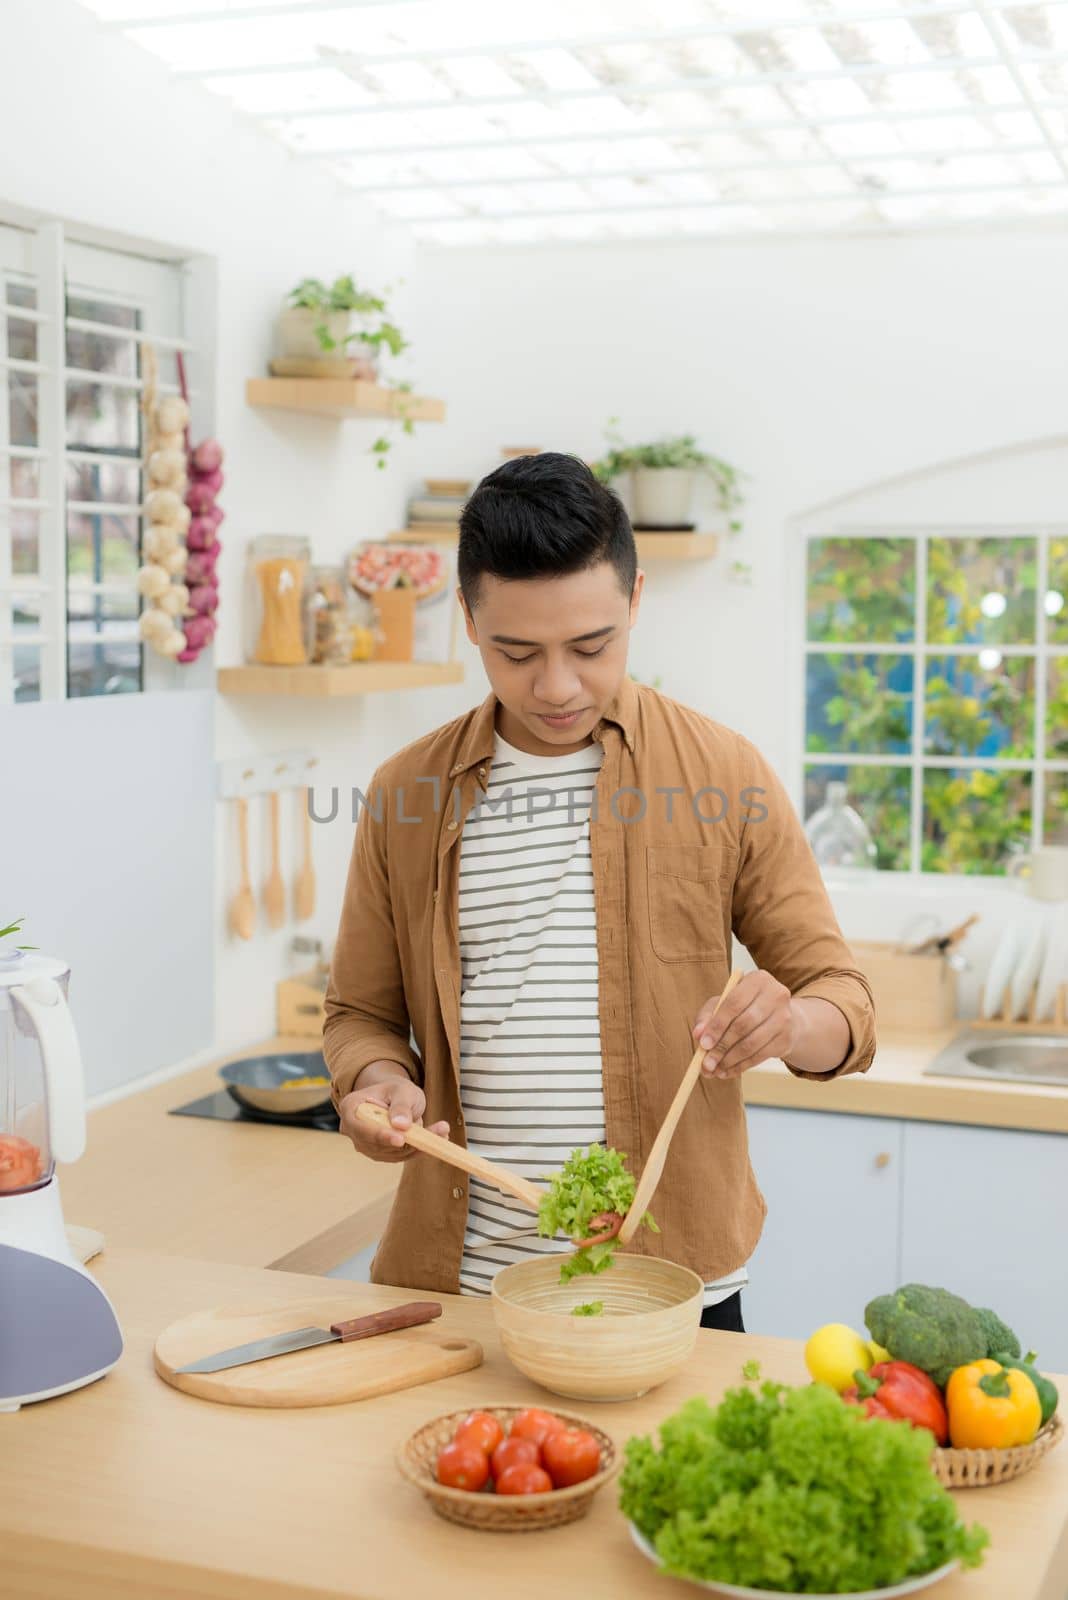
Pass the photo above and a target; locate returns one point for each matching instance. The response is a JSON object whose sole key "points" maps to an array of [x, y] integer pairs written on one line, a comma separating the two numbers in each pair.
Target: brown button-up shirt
{"points": [[693, 838]]}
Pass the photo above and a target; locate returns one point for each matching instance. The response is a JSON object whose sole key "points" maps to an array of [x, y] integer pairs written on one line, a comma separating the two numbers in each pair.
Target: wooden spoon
{"points": [[654, 1166], [304, 897], [432, 1144], [243, 905], [274, 890]]}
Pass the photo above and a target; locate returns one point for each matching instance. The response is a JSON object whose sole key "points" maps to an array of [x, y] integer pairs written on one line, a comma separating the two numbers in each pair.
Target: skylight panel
{"points": [[1041, 27], [835, 97], [624, 119], [480, 76], [146, 10], [1048, 81], [270, 93]]}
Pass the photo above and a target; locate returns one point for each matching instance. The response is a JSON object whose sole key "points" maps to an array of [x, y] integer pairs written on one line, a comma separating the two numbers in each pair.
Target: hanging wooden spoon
{"points": [[274, 890], [243, 905], [432, 1144], [304, 895], [654, 1166]]}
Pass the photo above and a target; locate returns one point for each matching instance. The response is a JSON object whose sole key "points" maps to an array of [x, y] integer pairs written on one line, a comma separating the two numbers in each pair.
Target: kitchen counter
{"points": [[301, 1201], [896, 1087], [251, 1193], [129, 1490]]}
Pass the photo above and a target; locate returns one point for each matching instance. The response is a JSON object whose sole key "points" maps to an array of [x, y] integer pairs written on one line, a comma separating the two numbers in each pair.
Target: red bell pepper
{"points": [[900, 1391]]}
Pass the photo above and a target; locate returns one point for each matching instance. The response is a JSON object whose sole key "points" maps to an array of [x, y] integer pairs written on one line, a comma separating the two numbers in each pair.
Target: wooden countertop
{"points": [[129, 1490], [250, 1193], [302, 1201], [896, 1087]]}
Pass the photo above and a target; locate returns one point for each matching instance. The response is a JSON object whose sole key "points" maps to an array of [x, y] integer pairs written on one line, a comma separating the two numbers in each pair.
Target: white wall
{"points": [[851, 374], [819, 367], [94, 130]]}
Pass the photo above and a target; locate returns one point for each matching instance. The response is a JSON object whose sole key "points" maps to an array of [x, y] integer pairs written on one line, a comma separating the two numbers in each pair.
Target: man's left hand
{"points": [[755, 1023]]}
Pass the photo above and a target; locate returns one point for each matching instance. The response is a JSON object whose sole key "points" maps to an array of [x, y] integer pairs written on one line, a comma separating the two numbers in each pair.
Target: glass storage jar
{"points": [[276, 600], [332, 621]]}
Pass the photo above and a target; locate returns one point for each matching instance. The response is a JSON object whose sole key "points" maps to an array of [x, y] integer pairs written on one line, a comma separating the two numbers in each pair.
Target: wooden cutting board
{"points": [[326, 1375]]}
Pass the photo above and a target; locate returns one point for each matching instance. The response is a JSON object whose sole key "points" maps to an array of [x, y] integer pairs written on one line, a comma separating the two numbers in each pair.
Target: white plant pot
{"points": [[296, 338], [663, 496]]}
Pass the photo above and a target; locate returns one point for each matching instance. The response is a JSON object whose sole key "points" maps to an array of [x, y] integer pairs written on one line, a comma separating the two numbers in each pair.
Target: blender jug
{"points": [[58, 1329], [42, 1098]]}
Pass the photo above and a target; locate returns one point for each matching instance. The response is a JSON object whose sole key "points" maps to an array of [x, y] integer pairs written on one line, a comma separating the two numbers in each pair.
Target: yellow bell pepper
{"points": [[991, 1407]]}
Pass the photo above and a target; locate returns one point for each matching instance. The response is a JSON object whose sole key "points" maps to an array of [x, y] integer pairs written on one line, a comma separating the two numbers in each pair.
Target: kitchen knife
{"points": [[282, 1344]]}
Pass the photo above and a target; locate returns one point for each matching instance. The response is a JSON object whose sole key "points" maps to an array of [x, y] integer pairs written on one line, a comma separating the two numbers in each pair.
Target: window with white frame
{"points": [[73, 321], [936, 688]]}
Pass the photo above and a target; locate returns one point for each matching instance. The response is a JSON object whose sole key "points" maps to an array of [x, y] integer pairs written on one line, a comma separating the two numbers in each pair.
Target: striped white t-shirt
{"points": [[530, 1048]]}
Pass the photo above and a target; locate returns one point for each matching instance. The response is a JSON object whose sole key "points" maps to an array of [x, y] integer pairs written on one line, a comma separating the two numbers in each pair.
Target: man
{"points": [[539, 912]]}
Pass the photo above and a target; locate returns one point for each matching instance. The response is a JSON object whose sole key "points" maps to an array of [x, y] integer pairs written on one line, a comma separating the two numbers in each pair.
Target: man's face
{"points": [[555, 653]]}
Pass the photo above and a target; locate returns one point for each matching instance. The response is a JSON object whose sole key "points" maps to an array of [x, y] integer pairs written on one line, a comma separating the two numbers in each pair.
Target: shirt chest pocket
{"points": [[690, 889]]}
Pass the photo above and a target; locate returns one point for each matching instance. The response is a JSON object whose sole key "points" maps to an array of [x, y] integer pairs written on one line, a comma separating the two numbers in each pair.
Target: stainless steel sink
{"points": [[1011, 1057]]}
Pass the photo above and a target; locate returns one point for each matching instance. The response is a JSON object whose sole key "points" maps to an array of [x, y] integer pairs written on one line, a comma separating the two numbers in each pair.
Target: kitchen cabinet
{"points": [[983, 1212], [859, 1205], [832, 1236]]}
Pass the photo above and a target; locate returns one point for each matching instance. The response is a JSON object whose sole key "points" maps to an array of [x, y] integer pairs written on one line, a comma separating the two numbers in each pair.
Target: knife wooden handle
{"points": [[406, 1316]]}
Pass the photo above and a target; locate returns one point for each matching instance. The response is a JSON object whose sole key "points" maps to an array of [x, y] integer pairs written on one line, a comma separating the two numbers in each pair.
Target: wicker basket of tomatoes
{"points": [[509, 1469]]}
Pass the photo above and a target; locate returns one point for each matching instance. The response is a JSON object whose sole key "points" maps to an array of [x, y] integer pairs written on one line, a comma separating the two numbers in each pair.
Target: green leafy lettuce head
{"points": [[590, 1182], [790, 1489]]}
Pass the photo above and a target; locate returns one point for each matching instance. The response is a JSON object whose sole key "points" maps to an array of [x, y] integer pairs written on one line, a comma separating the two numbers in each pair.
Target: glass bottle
{"points": [[839, 838]]}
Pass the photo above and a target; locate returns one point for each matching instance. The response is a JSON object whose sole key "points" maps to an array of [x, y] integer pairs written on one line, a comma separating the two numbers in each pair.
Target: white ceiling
{"points": [[501, 121]]}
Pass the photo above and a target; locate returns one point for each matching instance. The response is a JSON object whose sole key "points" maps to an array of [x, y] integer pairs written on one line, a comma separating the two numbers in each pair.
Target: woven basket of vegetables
{"points": [[982, 1469], [1000, 1412]]}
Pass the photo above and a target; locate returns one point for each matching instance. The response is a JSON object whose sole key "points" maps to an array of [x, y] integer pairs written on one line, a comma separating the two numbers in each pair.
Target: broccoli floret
{"points": [[1000, 1339], [933, 1329]]}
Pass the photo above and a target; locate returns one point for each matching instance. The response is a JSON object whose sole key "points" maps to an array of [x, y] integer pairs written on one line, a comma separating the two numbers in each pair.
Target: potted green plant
{"points": [[337, 326], [9, 950], [664, 475]]}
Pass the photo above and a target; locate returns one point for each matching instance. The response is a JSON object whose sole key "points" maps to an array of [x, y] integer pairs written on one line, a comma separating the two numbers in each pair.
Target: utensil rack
{"points": [[267, 774]]}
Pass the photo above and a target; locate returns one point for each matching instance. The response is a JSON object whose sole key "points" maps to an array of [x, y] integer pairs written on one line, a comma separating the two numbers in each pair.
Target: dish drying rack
{"points": [[1004, 1021]]}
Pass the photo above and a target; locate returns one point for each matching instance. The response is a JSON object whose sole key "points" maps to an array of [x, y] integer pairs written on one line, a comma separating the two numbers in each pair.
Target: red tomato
{"points": [[571, 1456], [480, 1429], [524, 1479], [513, 1452], [535, 1424], [463, 1466]]}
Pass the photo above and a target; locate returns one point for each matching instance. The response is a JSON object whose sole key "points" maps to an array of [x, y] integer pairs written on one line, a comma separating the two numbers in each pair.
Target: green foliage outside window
{"points": [[979, 701]]}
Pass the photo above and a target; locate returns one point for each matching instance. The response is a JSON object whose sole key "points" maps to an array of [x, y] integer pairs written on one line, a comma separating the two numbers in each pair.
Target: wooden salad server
{"points": [[243, 905], [304, 894], [432, 1144], [274, 891], [654, 1166]]}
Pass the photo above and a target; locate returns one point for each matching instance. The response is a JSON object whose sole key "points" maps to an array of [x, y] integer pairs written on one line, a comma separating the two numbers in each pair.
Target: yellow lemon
{"points": [[834, 1353]]}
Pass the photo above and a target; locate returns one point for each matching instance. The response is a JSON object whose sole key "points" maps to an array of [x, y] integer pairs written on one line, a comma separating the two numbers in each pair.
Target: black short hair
{"points": [[543, 516]]}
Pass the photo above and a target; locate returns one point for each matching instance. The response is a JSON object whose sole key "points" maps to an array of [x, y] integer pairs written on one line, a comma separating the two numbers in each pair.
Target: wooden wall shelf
{"points": [[341, 397], [319, 683], [651, 546]]}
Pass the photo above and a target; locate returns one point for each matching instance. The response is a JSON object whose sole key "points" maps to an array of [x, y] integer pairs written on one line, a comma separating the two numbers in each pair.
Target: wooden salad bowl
{"points": [[645, 1335]]}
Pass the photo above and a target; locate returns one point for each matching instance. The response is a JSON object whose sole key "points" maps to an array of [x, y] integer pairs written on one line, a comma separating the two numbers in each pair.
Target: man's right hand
{"points": [[404, 1101]]}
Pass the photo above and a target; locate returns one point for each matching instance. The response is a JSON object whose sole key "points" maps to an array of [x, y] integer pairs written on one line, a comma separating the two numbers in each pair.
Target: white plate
{"points": [[1055, 967], [735, 1592], [1027, 968], [1005, 958]]}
